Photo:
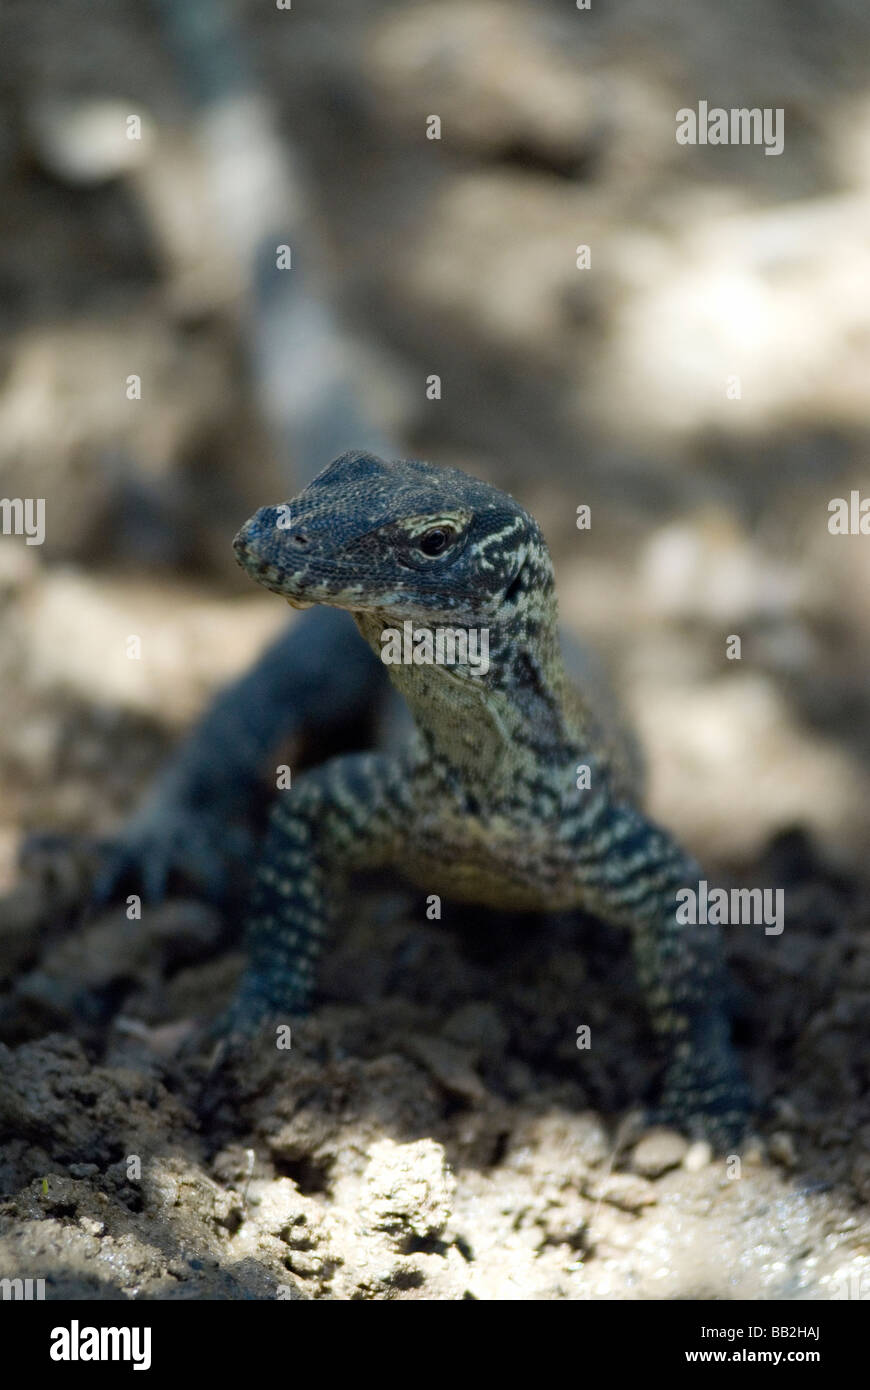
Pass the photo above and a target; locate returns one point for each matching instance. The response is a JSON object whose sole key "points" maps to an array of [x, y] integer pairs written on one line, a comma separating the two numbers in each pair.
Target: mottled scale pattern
{"points": [[481, 804]]}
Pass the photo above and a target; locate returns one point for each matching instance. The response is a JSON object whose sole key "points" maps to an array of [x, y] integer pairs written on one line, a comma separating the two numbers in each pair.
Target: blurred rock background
{"points": [[606, 386]]}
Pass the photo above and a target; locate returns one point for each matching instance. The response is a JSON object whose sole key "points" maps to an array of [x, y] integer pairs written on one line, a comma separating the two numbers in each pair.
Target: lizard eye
{"points": [[437, 540]]}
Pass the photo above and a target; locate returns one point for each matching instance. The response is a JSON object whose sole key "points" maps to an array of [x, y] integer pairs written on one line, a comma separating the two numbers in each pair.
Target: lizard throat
{"points": [[484, 727]]}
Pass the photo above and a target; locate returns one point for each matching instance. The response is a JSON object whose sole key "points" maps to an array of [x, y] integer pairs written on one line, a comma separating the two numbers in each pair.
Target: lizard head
{"points": [[401, 540]]}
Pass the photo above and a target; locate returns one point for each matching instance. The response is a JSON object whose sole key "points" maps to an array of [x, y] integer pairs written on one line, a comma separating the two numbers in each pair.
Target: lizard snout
{"points": [[271, 528], [275, 550]]}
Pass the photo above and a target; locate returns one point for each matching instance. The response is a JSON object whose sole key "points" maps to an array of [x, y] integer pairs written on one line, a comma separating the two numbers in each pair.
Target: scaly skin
{"points": [[482, 803]]}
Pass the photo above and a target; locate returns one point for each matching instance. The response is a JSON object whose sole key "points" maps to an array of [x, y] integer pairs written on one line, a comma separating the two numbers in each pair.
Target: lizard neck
{"points": [[488, 728]]}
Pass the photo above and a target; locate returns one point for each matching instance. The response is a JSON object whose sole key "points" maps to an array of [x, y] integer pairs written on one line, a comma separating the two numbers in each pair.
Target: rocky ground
{"points": [[434, 1131]]}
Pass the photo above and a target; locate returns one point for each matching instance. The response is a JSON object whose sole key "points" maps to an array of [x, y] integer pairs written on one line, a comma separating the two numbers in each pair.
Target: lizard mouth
{"points": [[263, 571]]}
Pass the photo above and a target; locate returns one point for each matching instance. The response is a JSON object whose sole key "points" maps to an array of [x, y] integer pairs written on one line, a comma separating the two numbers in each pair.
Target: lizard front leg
{"points": [[351, 813], [631, 873]]}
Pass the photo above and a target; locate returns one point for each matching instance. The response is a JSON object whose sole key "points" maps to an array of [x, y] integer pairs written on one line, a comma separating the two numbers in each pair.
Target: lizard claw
{"points": [[149, 853], [260, 1003], [153, 849], [715, 1107], [234, 1036]]}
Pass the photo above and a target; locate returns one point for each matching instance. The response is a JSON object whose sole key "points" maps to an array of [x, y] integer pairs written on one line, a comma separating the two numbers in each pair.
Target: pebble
{"points": [[697, 1156], [658, 1151], [408, 1189]]}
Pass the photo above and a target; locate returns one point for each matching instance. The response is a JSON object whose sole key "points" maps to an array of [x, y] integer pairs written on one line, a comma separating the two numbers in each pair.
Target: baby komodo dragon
{"points": [[482, 804]]}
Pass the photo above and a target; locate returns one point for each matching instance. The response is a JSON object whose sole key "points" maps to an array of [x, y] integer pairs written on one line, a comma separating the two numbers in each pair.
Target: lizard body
{"points": [[481, 802]]}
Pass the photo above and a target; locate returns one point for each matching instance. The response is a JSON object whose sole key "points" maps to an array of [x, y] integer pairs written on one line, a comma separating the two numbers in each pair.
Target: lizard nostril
{"points": [[299, 538]]}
